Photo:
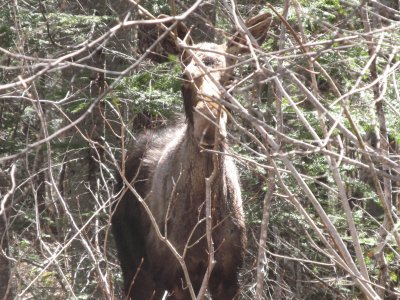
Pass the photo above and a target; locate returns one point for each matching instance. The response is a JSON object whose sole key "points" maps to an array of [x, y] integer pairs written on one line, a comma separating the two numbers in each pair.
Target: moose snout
{"points": [[192, 72]]}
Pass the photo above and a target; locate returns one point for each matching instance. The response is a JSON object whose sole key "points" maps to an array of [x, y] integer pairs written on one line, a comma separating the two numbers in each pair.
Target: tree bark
{"points": [[5, 266]]}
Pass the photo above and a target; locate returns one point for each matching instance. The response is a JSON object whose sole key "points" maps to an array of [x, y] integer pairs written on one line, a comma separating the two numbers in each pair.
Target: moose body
{"points": [[172, 179], [168, 170]]}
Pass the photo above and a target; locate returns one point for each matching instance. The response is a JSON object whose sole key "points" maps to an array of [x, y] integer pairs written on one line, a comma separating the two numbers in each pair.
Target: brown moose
{"points": [[168, 169]]}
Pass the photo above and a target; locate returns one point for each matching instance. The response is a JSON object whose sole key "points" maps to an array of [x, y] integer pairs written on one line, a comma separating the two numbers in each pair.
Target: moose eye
{"points": [[208, 61]]}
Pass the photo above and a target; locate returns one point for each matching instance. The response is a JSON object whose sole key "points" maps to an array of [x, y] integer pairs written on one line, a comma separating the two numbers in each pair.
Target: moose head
{"points": [[207, 68]]}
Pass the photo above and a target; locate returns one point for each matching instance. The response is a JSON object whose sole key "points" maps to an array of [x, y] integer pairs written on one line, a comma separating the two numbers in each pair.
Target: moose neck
{"points": [[193, 164], [199, 158]]}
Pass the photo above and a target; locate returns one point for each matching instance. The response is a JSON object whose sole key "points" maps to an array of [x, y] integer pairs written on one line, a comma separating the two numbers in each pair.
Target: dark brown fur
{"points": [[168, 170]]}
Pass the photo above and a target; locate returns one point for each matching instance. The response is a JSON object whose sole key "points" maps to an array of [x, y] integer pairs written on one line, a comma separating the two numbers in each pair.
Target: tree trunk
{"points": [[5, 273], [5, 267]]}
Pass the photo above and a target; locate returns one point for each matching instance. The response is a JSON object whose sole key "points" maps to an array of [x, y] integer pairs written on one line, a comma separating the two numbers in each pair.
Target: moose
{"points": [[160, 207]]}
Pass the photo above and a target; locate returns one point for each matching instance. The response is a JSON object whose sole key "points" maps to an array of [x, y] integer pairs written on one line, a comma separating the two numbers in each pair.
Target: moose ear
{"points": [[149, 33], [258, 27]]}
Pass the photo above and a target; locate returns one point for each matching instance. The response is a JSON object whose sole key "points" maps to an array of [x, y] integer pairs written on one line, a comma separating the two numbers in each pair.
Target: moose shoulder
{"points": [[166, 171]]}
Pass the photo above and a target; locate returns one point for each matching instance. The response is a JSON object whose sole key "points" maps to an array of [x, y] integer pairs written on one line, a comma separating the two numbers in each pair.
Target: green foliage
{"points": [[158, 7], [64, 29], [74, 28], [6, 33], [155, 92], [324, 10]]}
